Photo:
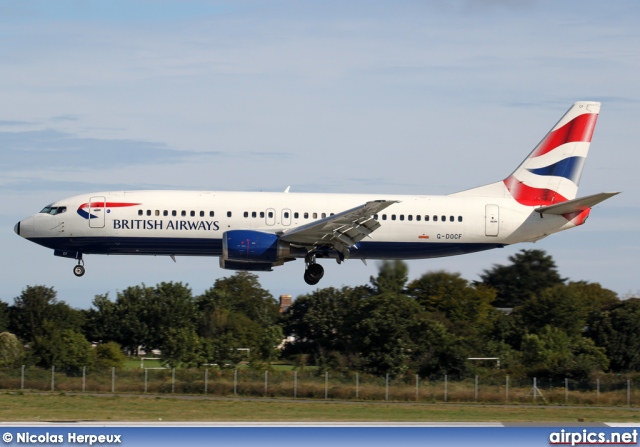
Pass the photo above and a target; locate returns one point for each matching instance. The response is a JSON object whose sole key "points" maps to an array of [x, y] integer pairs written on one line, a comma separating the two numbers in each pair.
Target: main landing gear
{"points": [[78, 270], [313, 272]]}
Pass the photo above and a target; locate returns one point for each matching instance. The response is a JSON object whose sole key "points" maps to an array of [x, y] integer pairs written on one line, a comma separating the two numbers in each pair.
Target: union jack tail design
{"points": [[551, 173]]}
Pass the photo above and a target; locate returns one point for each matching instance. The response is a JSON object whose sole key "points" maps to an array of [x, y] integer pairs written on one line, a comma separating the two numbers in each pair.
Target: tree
{"points": [[141, 315], [554, 353], [559, 306], [467, 309], [62, 348], [4, 316], [618, 331], [317, 321], [109, 355], [392, 277], [11, 350], [530, 272], [181, 346], [388, 334], [233, 316], [37, 305]]}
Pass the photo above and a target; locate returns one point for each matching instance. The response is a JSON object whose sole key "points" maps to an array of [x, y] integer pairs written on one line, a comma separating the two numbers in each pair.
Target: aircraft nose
{"points": [[17, 228]]}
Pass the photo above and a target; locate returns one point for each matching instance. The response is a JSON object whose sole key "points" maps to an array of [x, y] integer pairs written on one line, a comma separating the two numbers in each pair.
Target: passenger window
{"points": [[444, 218], [193, 213], [254, 214], [306, 215], [451, 219], [286, 214], [165, 213], [401, 216], [270, 214], [261, 214], [210, 213], [393, 217], [409, 217], [148, 212], [435, 218], [459, 218], [174, 213], [246, 214], [140, 212], [201, 213], [375, 216], [426, 218], [183, 213], [228, 213], [324, 215], [418, 217], [384, 217], [296, 215], [331, 214], [315, 215], [157, 212]]}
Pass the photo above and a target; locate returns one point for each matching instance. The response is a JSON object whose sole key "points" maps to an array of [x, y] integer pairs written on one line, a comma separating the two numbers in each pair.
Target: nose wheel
{"points": [[78, 270], [314, 271]]}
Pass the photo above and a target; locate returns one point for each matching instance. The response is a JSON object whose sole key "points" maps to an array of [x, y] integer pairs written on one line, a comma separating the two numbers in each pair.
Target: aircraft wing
{"points": [[342, 230], [571, 206]]}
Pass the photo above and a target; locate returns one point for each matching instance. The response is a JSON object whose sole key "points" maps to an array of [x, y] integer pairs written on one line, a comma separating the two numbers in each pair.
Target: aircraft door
{"points": [[97, 212], [271, 216], [286, 217], [492, 220]]}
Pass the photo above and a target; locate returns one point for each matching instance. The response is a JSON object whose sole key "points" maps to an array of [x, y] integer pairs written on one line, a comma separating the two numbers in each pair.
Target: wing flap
{"points": [[342, 230], [575, 205]]}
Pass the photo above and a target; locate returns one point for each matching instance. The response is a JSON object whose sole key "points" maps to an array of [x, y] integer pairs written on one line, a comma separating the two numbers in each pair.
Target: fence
{"points": [[608, 390]]}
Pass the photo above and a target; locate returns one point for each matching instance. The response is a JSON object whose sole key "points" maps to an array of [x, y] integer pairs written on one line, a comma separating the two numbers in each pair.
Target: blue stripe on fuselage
{"points": [[213, 247]]}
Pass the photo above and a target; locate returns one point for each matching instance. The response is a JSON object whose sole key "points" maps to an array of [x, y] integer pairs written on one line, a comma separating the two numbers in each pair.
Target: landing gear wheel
{"points": [[313, 274], [78, 270]]}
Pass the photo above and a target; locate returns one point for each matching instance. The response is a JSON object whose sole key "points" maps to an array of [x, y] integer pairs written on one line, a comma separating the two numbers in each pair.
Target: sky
{"points": [[393, 97]]}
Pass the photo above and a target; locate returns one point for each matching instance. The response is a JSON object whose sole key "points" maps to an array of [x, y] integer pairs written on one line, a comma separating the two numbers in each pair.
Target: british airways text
{"points": [[179, 225]]}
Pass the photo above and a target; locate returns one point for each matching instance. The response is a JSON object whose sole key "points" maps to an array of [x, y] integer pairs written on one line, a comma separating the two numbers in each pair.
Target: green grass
{"points": [[58, 407]]}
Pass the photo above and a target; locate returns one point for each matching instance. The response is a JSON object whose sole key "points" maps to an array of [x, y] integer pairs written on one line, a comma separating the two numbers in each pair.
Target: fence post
{"points": [[206, 380], [386, 388], [146, 379], [417, 385], [113, 379], [445, 387], [628, 392], [507, 390], [566, 390], [173, 380], [266, 381], [597, 390], [84, 378], [326, 384], [535, 389], [476, 388], [295, 384], [357, 385], [53, 377], [235, 382], [22, 379]]}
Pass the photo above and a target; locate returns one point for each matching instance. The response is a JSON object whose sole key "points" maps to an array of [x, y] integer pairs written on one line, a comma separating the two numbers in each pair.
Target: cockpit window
{"points": [[53, 210]]}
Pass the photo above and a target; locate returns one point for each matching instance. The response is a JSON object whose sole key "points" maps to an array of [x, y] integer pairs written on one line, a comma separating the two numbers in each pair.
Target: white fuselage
{"points": [[192, 223]]}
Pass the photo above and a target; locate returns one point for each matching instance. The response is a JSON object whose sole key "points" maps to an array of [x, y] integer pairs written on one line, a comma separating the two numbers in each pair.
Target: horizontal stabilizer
{"points": [[575, 205]]}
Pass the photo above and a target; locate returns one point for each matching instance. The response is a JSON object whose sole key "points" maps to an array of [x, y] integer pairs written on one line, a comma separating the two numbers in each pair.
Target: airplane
{"points": [[256, 231]]}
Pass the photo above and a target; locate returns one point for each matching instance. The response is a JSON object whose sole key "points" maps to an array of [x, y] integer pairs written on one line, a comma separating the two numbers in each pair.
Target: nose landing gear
{"points": [[313, 272]]}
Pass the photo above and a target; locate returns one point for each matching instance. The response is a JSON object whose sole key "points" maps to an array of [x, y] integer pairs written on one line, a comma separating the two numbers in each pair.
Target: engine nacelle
{"points": [[252, 250]]}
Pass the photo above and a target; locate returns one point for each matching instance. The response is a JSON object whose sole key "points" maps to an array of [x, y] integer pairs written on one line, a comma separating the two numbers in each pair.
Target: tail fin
{"points": [[551, 173]]}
